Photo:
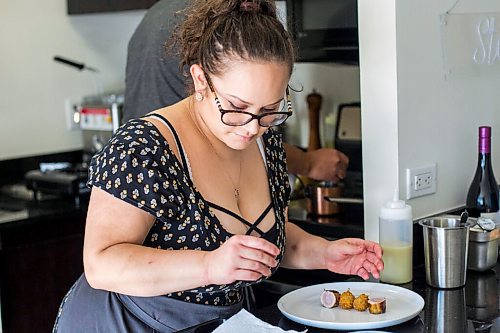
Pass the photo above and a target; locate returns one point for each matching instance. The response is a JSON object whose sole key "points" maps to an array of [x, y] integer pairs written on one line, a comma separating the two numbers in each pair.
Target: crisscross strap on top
{"points": [[251, 226], [185, 163], [178, 142]]}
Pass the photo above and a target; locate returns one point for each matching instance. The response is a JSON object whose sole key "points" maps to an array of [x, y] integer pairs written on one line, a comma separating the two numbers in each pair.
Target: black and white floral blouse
{"points": [[138, 166]]}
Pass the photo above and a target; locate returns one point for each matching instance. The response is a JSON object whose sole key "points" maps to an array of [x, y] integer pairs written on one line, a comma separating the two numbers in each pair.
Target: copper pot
{"points": [[326, 199], [317, 202]]}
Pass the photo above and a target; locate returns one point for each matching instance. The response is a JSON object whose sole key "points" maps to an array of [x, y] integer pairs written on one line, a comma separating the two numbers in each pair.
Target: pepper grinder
{"points": [[314, 105]]}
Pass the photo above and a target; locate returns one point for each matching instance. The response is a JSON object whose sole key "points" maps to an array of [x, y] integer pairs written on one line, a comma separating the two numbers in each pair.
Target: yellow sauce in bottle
{"points": [[398, 263]]}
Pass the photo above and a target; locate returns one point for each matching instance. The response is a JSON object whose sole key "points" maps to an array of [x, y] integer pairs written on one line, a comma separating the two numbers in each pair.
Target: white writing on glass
{"points": [[489, 49]]}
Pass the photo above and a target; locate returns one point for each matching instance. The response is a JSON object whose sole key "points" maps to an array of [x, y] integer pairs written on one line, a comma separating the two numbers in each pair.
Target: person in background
{"points": [[188, 203], [153, 80]]}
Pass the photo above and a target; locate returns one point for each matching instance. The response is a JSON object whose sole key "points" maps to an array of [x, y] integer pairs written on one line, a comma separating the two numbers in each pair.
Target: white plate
{"points": [[303, 306]]}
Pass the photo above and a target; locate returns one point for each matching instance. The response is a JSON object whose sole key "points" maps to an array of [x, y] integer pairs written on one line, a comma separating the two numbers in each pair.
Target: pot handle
{"points": [[344, 200]]}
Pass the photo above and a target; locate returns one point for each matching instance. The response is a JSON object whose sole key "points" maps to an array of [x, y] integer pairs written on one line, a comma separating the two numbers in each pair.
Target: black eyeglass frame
{"points": [[253, 116]]}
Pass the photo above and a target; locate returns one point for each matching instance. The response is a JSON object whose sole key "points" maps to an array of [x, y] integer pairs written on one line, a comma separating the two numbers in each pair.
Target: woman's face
{"points": [[245, 86]]}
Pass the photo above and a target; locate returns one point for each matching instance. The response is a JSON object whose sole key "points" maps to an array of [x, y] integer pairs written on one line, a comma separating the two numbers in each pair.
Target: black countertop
{"points": [[24, 220], [472, 308], [17, 206], [14, 210], [348, 222]]}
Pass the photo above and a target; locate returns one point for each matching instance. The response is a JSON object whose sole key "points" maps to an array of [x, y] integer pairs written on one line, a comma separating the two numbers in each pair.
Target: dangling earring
{"points": [[198, 96]]}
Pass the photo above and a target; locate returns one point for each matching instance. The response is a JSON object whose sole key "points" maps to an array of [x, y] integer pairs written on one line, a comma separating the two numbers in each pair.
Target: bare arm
{"points": [[322, 164], [303, 250], [115, 260], [344, 256]]}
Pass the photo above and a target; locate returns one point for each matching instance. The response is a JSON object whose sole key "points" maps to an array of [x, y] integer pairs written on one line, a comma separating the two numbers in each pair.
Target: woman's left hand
{"points": [[354, 256]]}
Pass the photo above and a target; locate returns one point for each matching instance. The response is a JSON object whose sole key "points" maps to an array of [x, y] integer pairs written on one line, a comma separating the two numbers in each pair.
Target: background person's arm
{"points": [[321, 164]]}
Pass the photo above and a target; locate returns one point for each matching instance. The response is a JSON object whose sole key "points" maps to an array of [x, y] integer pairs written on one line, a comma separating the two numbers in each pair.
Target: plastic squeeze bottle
{"points": [[396, 239]]}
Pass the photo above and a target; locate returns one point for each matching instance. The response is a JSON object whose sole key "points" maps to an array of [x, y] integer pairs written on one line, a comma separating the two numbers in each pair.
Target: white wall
{"points": [[411, 114], [33, 87]]}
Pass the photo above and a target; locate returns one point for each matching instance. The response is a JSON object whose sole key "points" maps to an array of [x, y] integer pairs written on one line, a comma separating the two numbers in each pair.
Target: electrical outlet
{"points": [[421, 181]]}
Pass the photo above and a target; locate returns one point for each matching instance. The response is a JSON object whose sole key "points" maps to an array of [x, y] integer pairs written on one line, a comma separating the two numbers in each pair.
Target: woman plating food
{"points": [[189, 203]]}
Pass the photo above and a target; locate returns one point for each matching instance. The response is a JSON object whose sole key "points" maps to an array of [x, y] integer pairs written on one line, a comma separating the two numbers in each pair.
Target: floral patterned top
{"points": [[138, 166]]}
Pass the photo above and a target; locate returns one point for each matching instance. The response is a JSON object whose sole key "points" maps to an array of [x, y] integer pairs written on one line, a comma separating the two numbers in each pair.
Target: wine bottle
{"points": [[483, 191]]}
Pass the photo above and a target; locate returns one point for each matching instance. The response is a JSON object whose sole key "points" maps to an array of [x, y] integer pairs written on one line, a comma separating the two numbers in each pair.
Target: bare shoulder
{"points": [[171, 112], [175, 115]]}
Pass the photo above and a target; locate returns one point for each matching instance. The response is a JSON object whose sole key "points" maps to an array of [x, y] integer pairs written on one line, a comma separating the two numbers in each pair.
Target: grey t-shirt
{"points": [[153, 79]]}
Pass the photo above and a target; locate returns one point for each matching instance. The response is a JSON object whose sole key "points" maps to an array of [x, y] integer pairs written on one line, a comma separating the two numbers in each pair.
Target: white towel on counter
{"points": [[245, 322]]}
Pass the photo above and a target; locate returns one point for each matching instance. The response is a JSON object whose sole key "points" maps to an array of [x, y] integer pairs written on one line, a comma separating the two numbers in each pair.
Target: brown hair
{"points": [[216, 31]]}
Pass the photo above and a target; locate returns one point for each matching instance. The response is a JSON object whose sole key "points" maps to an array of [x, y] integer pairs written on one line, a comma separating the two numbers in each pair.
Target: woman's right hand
{"points": [[241, 257]]}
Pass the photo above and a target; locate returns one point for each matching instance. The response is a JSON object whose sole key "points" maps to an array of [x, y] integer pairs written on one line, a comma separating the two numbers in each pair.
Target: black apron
{"points": [[85, 309]]}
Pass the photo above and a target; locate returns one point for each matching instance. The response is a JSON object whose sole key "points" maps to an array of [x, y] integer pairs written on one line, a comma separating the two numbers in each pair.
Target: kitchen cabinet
{"points": [[39, 261], [98, 6]]}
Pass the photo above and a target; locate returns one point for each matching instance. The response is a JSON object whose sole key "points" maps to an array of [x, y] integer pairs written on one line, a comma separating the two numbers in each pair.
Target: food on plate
{"points": [[330, 298], [346, 300], [361, 302], [377, 305]]}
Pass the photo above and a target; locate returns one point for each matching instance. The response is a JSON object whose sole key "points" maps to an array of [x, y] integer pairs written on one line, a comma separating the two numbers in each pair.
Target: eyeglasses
{"points": [[265, 119]]}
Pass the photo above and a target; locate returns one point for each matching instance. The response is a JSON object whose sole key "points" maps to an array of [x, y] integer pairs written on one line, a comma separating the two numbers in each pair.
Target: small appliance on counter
{"points": [[99, 117], [64, 182]]}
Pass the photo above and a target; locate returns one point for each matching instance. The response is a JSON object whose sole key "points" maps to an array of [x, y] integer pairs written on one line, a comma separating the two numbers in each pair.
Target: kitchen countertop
{"points": [[18, 210], [348, 223], [472, 308]]}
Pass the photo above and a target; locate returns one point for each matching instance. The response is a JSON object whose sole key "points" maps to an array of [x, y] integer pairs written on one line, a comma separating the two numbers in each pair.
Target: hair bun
{"points": [[252, 6]]}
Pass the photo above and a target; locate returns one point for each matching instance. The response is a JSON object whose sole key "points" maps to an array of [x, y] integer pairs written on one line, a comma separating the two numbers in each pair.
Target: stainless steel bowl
{"points": [[483, 249]]}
